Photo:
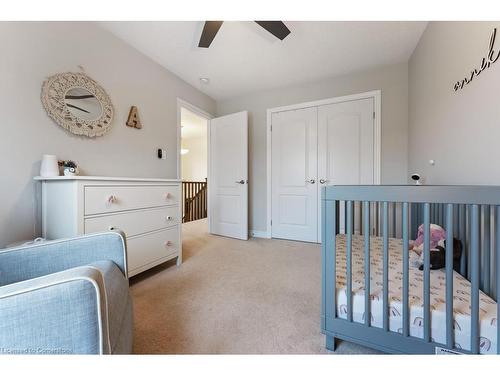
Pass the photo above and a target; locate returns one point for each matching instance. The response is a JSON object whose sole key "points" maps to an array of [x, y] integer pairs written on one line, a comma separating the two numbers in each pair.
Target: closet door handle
{"points": [[311, 181], [322, 181]]}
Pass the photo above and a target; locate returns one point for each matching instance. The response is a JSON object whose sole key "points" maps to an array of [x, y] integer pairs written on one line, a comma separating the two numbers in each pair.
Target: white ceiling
{"points": [[245, 58], [192, 125]]}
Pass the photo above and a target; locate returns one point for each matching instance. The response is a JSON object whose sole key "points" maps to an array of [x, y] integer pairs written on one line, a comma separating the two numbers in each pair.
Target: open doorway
{"points": [[193, 164], [213, 167]]}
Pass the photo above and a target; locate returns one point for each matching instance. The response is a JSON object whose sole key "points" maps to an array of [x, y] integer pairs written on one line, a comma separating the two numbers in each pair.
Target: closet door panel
{"points": [[294, 175], [346, 146]]}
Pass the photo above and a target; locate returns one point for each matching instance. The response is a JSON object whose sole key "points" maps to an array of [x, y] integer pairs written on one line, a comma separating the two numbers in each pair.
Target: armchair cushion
{"points": [[27, 262], [61, 313], [66, 296]]}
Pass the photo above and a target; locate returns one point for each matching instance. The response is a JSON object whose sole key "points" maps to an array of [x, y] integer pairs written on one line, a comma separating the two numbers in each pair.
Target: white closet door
{"points": [[346, 137], [228, 176], [294, 175]]}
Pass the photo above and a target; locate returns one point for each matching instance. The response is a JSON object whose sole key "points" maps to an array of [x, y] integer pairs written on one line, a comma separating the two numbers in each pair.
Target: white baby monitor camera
{"points": [[416, 177]]}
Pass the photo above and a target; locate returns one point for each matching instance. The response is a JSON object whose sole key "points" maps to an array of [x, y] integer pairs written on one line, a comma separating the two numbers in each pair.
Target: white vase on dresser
{"points": [[148, 211]]}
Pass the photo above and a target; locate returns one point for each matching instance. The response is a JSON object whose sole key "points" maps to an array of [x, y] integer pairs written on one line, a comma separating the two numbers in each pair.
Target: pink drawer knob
{"points": [[111, 199], [168, 243], [168, 195], [170, 218]]}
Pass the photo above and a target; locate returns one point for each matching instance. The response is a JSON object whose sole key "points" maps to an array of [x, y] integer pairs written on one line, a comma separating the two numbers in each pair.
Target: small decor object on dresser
{"points": [[49, 166], [78, 104], [70, 168], [133, 118]]}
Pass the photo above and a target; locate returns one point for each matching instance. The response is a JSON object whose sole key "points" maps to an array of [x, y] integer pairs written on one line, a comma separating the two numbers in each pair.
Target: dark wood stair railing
{"points": [[194, 198]]}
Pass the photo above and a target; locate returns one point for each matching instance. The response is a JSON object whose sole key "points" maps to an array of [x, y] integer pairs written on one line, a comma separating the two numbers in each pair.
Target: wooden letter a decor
{"points": [[133, 118]]}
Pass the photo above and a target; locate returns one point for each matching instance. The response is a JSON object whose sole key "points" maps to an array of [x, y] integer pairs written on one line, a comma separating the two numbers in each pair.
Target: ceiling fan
{"points": [[210, 29]]}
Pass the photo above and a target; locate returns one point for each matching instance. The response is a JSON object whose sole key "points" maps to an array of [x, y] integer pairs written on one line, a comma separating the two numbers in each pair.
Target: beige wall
{"points": [[33, 51], [392, 80], [459, 130], [195, 163]]}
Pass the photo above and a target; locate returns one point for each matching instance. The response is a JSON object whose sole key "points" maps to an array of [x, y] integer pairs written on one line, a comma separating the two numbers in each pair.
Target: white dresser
{"points": [[148, 211]]}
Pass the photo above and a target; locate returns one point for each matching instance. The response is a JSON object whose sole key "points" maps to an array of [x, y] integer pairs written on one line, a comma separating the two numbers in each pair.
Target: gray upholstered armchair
{"points": [[66, 296]]}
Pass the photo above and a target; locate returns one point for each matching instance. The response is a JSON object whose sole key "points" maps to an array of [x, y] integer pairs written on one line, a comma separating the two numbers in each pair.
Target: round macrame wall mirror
{"points": [[78, 104]]}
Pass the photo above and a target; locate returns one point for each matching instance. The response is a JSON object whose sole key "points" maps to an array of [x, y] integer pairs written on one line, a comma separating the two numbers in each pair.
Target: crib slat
{"points": [[353, 217], [486, 250], [360, 218], [449, 276], [427, 273], [385, 305], [462, 229], [413, 220], [474, 245], [494, 254], [366, 232], [455, 220], [497, 259], [468, 240], [393, 231], [441, 214], [349, 259], [406, 256], [329, 233]]}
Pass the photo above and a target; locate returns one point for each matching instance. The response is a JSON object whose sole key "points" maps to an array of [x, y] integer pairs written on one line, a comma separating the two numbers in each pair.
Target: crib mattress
{"points": [[461, 296]]}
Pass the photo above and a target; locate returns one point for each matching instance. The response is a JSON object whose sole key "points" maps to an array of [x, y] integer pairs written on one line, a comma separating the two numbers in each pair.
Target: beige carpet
{"points": [[233, 297]]}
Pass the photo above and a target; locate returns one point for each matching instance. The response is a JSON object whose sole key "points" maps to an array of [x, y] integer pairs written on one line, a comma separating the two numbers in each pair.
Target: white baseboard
{"points": [[260, 234]]}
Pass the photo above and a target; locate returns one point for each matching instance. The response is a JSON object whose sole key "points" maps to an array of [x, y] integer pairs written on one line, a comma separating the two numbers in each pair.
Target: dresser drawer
{"points": [[135, 222], [103, 199], [151, 247]]}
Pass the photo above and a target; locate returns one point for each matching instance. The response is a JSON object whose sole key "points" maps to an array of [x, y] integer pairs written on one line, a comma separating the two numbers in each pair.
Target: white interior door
{"points": [[346, 136], [294, 174], [228, 176]]}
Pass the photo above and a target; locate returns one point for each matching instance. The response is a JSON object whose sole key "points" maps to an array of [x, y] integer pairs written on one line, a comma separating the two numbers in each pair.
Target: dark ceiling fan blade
{"points": [[277, 28], [209, 32]]}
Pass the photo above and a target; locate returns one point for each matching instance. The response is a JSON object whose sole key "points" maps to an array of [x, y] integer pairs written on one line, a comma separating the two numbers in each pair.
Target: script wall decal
{"points": [[486, 62]]}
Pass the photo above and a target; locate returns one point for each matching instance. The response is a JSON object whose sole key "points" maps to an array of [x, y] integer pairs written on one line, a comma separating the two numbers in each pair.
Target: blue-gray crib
{"points": [[385, 303]]}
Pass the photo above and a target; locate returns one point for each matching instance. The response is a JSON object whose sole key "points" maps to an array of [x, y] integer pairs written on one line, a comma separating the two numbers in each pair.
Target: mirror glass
{"points": [[83, 104]]}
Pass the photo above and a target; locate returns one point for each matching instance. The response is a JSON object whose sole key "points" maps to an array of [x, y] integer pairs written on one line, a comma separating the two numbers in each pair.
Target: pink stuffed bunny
{"points": [[438, 234]]}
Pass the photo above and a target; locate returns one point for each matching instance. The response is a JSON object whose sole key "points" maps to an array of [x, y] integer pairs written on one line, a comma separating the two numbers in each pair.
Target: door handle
{"points": [[242, 182], [322, 181], [311, 181]]}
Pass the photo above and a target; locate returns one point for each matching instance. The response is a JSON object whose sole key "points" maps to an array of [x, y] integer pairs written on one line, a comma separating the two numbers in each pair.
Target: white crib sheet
{"points": [[461, 295]]}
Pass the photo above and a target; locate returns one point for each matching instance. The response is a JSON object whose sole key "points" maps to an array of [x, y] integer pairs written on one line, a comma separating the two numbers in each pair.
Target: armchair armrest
{"points": [[27, 262], [61, 313]]}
